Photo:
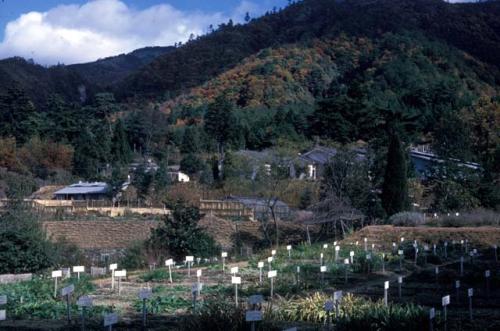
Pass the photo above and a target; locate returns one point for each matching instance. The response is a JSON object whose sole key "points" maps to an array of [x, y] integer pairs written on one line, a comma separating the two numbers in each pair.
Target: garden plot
{"points": [[304, 279]]}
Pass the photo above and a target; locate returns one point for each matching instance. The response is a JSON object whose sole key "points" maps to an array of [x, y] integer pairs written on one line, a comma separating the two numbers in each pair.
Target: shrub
{"points": [[478, 217], [407, 219]]}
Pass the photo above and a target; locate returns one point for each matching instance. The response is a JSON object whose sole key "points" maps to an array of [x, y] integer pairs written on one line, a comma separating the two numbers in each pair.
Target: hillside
{"points": [[474, 28], [73, 82]]}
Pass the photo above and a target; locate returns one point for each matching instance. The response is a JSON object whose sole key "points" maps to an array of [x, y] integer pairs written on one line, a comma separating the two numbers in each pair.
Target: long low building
{"points": [[84, 191]]}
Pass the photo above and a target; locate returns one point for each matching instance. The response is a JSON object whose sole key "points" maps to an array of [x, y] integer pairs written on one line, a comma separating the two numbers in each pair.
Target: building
{"points": [[175, 174], [263, 207], [84, 191], [311, 165]]}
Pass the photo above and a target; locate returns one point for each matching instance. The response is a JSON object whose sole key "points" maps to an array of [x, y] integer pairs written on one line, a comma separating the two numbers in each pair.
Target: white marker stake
{"points": [[260, 265], [298, 274], [434, 249], [56, 274], [321, 259], [400, 253], [271, 274], [366, 244], [337, 297], [269, 260], [487, 275], [84, 302], [445, 302], [386, 290], [198, 276], [346, 267], [445, 249], [273, 252], [78, 269], [383, 263], [66, 292], [351, 255], [144, 294], [400, 284], [394, 248], [110, 320], [322, 270], [432, 315], [416, 255], [113, 267], [325, 246], [169, 263], [223, 255], [337, 250], [234, 271], [189, 260], [3, 312], [461, 266], [470, 294], [289, 249], [120, 274], [236, 281]]}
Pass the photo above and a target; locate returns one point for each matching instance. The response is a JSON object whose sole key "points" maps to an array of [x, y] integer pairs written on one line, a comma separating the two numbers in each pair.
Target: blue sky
{"points": [[73, 31]]}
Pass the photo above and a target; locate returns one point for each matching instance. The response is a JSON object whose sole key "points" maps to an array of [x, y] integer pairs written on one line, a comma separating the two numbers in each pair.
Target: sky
{"points": [[77, 31]]}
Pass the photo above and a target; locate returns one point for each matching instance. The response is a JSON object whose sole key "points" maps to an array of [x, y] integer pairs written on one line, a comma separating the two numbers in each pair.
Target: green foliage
{"points": [[219, 120], [192, 164], [120, 148], [134, 257], [179, 234], [159, 275], [395, 188], [164, 304], [23, 244]]}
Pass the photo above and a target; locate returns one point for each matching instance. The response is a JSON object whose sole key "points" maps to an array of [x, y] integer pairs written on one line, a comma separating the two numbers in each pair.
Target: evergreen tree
{"points": [[18, 116], [190, 140], [120, 148], [395, 186]]}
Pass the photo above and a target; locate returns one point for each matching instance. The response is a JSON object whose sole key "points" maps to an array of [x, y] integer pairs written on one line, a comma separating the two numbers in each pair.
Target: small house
{"points": [[84, 191]]}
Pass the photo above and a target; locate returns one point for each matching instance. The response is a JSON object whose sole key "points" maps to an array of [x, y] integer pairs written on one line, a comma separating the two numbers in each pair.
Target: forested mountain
{"points": [[472, 27], [108, 71], [75, 83]]}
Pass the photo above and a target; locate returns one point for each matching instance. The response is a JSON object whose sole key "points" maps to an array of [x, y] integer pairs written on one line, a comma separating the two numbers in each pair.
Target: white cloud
{"points": [[100, 28]]}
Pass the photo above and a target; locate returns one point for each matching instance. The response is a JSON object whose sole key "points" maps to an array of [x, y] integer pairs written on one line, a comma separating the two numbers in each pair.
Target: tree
{"points": [[190, 140], [179, 235], [120, 148], [395, 186], [18, 116], [219, 124], [24, 246], [247, 17]]}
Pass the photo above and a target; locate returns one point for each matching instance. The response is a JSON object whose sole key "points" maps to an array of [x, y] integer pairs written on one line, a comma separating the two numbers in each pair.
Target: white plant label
{"points": [[273, 252], [351, 254], [223, 254], [235, 280], [270, 259], [457, 284], [234, 270], [198, 273], [400, 252], [189, 258], [386, 285], [487, 274], [325, 246], [289, 247], [400, 280], [470, 292], [272, 274], [67, 290], [432, 313], [56, 273], [402, 239], [337, 296], [323, 269], [3, 315], [145, 293], [337, 248], [346, 261], [110, 319], [298, 269], [79, 269], [436, 270], [121, 273], [113, 266], [84, 301], [169, 262], [445, 301], [253, 316], [260, 265], [3, 299]]}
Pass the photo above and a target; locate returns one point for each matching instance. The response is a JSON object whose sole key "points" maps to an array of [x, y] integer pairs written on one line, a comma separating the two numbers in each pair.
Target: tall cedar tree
{"points": [[219, 121], [395, 187], [120, 147]]}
